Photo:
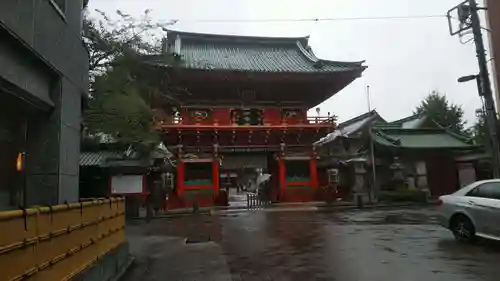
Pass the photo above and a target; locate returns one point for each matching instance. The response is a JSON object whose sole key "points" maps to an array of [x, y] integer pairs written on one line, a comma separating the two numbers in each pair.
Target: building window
{"points": [[59, 5], [12, 147], [333, 176], [198, 173], [246, 117], [297, 170]]}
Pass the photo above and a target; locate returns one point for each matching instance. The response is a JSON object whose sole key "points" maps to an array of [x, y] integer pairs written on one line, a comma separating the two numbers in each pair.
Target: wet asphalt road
{"points": [[385, 245]]}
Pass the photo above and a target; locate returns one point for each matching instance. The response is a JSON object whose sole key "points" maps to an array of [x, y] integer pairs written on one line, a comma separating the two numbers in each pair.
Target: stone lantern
{"points": [[397, 169], [360, 187]]}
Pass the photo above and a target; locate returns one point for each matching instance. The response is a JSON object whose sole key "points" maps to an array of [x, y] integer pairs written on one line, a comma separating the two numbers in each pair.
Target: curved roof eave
{"points": [[236, 37], [218, 42], [308, 53]]}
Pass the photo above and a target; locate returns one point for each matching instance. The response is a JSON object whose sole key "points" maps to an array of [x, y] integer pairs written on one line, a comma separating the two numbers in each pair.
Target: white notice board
{"points": [[127, 184]]}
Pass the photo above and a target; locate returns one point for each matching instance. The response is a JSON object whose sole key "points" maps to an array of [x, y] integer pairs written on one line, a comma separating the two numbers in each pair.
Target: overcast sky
{"points": [[406, 59]]}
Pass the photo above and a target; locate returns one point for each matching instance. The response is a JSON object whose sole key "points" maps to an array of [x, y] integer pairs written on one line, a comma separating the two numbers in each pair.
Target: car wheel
{"points": [[463, 229]]}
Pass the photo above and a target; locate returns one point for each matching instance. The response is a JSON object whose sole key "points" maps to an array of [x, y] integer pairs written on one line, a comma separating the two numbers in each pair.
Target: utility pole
{"points": [[372, 189], [468, 16]]}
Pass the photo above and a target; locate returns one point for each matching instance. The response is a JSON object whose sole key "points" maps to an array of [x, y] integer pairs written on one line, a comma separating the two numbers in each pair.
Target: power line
{"points": [[486, 29], [312, 19]]}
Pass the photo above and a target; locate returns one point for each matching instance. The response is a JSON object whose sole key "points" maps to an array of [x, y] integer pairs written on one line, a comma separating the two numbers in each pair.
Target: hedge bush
{"points": [[402, 195]]}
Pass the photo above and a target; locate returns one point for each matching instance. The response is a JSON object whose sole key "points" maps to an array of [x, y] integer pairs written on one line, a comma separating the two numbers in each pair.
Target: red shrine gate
{"points": [[293, 167], [245, 99]]}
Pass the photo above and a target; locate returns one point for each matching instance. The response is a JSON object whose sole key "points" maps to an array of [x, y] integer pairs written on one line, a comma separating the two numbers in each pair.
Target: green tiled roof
{"points": [[106, 158], [253, 54], [98, 158], [419, 138], [473, 155], [411, 122], [352, 127]]}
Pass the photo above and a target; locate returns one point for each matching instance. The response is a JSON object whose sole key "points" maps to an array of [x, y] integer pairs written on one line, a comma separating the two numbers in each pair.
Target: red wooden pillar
{"points": [[314, 173], [282, 176], [180, 178], [215, 176]]}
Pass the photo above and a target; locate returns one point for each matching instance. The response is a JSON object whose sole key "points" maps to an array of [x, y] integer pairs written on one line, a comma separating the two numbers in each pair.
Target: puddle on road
{"points": [[392, 218], [197, 239]]}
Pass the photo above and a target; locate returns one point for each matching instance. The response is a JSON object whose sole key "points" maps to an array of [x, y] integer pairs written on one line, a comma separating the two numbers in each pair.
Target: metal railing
{"points": [[255, 200], [322, 120], [319, 120], [55, 243]]}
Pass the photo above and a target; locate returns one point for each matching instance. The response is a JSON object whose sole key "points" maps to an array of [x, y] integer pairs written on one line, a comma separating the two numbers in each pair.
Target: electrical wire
{"points": [[486, 29], [311, 19]]}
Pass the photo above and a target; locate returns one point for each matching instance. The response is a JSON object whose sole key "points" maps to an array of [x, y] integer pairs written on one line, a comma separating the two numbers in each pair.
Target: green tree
{"points": [[119, 110], [479, 129], [125, 36], [123, 89], [444, 113]]}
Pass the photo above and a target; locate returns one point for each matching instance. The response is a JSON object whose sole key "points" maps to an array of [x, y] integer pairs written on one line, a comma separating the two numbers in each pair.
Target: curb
{"points": [[285, 208], [324, 209], [124, 269], [173, 215], [372, 207], [268, 210]]}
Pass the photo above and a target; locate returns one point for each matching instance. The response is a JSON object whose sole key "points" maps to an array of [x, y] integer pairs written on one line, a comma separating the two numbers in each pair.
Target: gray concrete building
{"points": [[43, 77]]}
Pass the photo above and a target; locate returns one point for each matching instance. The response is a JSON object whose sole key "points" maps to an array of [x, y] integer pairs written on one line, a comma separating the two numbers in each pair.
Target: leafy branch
{"points": [[446, 114], [123, 89]]}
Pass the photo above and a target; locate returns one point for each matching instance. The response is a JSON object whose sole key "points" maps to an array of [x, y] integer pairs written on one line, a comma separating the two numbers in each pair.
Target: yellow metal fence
{"points": [[58, 242]]}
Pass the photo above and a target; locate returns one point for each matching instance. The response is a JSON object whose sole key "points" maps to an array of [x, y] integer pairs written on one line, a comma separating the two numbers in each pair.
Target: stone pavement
{"points": [[316, 206], [378, 245], [237, 200], [169, 258]]}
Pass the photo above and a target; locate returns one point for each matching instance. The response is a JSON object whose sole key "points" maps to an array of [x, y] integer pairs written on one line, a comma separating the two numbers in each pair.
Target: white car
{"points": [[472, 211]]}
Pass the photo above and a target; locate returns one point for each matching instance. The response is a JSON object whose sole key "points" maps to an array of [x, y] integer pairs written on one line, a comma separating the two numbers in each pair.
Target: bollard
{"points": [[196, 208], [149, 212], [359, 199]]}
